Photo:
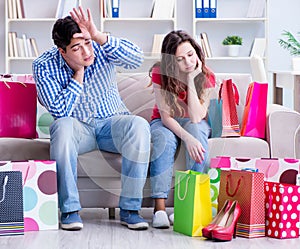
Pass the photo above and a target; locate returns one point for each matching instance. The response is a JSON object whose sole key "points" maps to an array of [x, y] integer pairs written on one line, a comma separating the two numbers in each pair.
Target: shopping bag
{"points": [[11, 203], [255, 111], [283, 170], [214, 117], [282, 211], [230, 98], [248, 189], [192, 202], [40, 193], [214, 175], [220, 162], [18, 102]]}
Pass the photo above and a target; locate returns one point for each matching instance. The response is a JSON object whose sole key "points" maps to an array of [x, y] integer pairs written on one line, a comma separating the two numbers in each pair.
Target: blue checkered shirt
{"points": [[98, 96]]}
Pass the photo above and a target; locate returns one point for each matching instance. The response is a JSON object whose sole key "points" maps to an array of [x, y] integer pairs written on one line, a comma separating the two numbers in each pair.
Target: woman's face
{"points": [[186, 57]]}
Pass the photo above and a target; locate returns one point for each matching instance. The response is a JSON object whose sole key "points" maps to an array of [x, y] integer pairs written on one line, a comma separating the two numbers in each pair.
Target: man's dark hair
{"points": [[63, 31]]}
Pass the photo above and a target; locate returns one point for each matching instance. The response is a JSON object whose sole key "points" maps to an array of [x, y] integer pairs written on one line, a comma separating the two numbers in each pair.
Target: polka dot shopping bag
{"points": [[282, 206]]}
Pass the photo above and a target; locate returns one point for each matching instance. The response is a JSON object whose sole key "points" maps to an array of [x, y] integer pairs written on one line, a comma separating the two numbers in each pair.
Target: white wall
{"points": [[281, 16]]}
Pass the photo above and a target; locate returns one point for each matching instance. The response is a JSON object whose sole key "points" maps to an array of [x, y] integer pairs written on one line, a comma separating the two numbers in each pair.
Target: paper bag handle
{"points": [[8, 86], [4, 188], [186, 188], [237, 186]]}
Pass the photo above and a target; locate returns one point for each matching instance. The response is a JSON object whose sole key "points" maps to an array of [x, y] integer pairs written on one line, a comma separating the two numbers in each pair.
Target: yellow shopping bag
{"points": [[192, 202]]}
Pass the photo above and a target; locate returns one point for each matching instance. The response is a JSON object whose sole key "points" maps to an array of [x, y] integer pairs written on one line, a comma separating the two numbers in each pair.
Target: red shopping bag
{"points": [[282, 213], [230, 98], [248, 189], [254, 117], [18, 103]]}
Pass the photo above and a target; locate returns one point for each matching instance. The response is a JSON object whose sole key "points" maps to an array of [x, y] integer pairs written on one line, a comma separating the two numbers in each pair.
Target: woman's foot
{"points": [[160, 220]]}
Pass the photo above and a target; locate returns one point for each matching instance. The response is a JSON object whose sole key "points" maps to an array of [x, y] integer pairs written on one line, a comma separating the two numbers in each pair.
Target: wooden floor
{"points": [[100, 232]]}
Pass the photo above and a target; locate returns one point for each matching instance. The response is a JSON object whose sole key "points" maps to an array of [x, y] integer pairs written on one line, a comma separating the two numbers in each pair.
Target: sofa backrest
{"points": [[139, 97]]}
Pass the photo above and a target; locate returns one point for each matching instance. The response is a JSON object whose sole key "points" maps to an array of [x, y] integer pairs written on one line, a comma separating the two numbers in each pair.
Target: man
{"points": [[76, 82]]}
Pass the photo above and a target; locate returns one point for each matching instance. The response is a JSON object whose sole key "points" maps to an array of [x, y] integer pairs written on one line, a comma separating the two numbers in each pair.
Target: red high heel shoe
{"points": [[226, 229], [206, 231]]}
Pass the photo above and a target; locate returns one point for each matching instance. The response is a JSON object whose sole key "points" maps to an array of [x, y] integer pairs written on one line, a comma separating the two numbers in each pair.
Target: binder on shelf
{"points": [[205, 5], [157, 43], [198, 9], [64, 7], [115, 8], [258, 47], [212, 8], [163, 9], [256, 8]]}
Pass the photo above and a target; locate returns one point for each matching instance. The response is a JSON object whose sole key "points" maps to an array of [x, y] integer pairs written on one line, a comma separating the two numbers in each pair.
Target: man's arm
{"points": [[59, 101]]}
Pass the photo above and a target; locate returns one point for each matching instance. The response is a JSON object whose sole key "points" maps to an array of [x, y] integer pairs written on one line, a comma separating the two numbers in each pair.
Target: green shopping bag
{"points": [[192, 202]]}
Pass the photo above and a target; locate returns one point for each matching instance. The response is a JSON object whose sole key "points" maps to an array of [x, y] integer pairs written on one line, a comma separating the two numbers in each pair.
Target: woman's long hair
{"points": [[171, 84]]}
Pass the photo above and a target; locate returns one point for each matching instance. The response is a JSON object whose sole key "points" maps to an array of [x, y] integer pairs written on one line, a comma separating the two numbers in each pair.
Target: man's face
{"points": [[79, 53]]}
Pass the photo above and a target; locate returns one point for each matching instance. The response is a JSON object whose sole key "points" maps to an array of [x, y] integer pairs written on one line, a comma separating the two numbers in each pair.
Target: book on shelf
{"points": [[107, 8], [34, 47], [256, 8], [10, 45], [22, 46], [14, 8], [157, 43], [258, 47], [163, 9], [9, 9], [14, 43], [205, 44], [20, 8], [64, 7]]}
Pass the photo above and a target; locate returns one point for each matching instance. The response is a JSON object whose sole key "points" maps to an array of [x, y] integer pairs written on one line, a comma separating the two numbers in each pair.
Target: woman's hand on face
{"points": [[191, 76], [195, 149]]}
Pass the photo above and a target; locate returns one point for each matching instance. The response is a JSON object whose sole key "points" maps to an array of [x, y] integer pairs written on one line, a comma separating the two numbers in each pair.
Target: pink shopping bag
{"points": [[282, 213], [18, 101], [230, 98], [254, 117]]}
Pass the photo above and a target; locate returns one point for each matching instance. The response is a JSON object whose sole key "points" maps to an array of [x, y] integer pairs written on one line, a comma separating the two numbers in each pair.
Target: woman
{"points": [[181, 83]]}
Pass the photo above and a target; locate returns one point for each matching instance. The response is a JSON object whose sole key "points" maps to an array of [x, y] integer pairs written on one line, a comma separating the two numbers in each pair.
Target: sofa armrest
{"points": [[282, 131]]}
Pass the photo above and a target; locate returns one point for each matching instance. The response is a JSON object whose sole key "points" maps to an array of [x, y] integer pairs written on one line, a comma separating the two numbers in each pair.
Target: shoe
{"points": [[206, 231], [160, 219], [226, 229], [171, 218], [71, 221], [133, 220]]}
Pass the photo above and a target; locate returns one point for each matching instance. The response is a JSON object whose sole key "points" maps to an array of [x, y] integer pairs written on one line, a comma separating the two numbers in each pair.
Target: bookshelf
{"points": [[232, 19], [135, 22], [34, 25]]}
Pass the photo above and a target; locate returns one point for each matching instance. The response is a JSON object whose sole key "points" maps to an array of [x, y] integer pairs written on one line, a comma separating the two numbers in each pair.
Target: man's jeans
{"points": [[128, 135], [164, 146]]}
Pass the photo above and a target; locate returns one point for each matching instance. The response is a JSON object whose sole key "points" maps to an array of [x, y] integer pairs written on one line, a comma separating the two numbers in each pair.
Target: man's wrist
{"points": [[100, 37]]}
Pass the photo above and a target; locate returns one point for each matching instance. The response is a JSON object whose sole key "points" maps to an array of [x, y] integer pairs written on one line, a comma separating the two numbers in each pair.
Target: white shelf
{"points": [[231, 20]]}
